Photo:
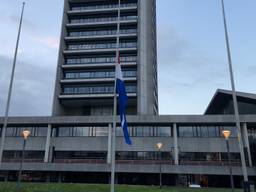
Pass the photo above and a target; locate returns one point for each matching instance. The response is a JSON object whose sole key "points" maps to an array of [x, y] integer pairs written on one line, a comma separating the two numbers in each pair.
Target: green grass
{"points": [[32, 187]]}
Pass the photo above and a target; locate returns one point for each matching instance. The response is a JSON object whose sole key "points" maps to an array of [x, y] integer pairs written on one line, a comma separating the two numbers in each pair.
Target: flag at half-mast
{"points": [[120, 90]]}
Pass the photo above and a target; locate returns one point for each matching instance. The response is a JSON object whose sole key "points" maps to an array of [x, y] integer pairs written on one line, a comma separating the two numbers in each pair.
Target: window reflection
{"points": [[88, 46], [92, 131], [96, 90], [205, 131], [102, 19], [34, 131], [98, 74], [101, 6], [100, 32], [94, 60]]}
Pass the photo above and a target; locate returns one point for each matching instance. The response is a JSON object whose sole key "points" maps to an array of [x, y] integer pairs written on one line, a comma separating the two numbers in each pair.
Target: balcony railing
{"points": [[106, 6], [25, 160], [101, 46], [103, 161], [101, 33], [210, 163], [99, 60], [103, 19], [96, 75], [95, 90]]}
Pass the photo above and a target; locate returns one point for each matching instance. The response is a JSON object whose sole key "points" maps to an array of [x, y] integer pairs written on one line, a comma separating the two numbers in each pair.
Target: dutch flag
{"points": [[120, 90]]}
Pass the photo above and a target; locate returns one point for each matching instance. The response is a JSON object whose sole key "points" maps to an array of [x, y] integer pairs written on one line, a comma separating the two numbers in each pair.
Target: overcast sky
{"points": [[191, 53]]}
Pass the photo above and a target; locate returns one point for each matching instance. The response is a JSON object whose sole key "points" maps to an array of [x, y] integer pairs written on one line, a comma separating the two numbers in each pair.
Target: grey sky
{"points": [[191, 53]]}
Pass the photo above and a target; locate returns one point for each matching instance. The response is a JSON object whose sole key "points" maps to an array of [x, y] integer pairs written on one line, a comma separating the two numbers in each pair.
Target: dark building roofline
{"points": [[222, 96]]}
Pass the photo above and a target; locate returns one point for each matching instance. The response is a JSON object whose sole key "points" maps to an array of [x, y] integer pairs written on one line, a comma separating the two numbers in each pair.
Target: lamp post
{"points": [[226, 134], [25, 135], [159, 146]]}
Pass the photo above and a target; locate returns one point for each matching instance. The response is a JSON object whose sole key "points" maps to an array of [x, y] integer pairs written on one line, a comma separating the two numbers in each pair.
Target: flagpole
{"points": [[237, 118], [113, 143], [10, 87]]}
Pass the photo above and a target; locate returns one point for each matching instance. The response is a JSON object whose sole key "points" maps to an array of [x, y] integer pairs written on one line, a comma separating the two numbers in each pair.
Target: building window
{"points": [[143, 155], [62, 156], [205, 131], [102, 19], [101, 32], [98, 74], [81, 131], [88, 46], [30, 156], [208, 158], [75, 155], [96, 90], [81, 7], [95, 60], [34, 131], [95, 131]]}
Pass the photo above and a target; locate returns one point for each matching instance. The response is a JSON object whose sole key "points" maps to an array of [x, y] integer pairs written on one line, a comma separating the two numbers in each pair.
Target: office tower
{"points": [[85, 71]]}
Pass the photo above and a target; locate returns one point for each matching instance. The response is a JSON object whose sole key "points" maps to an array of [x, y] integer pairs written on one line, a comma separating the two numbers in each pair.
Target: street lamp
{"points": [[25, 135], [159, 146], [226, 134]]}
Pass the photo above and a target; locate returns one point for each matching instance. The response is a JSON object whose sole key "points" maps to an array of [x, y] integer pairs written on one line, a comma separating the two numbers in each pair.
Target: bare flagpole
{"points": [[237, 118], [10, 87], [113, 140]]}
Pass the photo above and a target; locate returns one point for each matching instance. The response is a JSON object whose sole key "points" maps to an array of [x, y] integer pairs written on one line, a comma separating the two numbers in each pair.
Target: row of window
{"points": [[122, 155], [34, 131], [103, 19], [28, 155], [198, 156], [101, 32], [104, 6], [98, 74], [138, 131], [102, 46], [184, 157], [135, 131], [97, 90], [205, 131], [91, 60]]}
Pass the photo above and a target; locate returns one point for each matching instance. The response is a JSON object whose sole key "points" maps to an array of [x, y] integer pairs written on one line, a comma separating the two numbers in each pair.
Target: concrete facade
{"points": [[174, 144]]}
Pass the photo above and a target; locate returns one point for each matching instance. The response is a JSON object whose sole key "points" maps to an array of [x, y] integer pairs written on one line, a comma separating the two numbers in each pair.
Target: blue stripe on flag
{"points": [[120, 89]]}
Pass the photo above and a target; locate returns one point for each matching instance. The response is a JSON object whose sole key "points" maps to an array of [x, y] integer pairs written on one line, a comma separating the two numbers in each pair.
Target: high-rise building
{"points": [[85, 71]]}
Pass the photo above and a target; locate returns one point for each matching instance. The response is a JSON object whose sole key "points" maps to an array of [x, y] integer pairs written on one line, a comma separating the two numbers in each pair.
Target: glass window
{"points": [[101, 131], [163, 131], [34, 131], [64, 132], [185, 131], [139, 131], [204, 131], [147, 131], [232, 129], [11, 132]]}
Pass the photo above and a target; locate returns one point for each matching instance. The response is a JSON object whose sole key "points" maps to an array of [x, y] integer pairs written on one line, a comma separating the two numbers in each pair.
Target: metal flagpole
{"points": [[10, 87], [237, 118], [113, 143]]}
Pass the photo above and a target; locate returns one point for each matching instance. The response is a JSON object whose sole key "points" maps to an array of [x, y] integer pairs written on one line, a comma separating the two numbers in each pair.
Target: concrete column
{"points": [[47, 144], [109, 143], [246, 142], [175, 141]]}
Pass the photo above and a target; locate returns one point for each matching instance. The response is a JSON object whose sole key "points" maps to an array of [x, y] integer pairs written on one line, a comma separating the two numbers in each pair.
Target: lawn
{"points": [[26, 187]]}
